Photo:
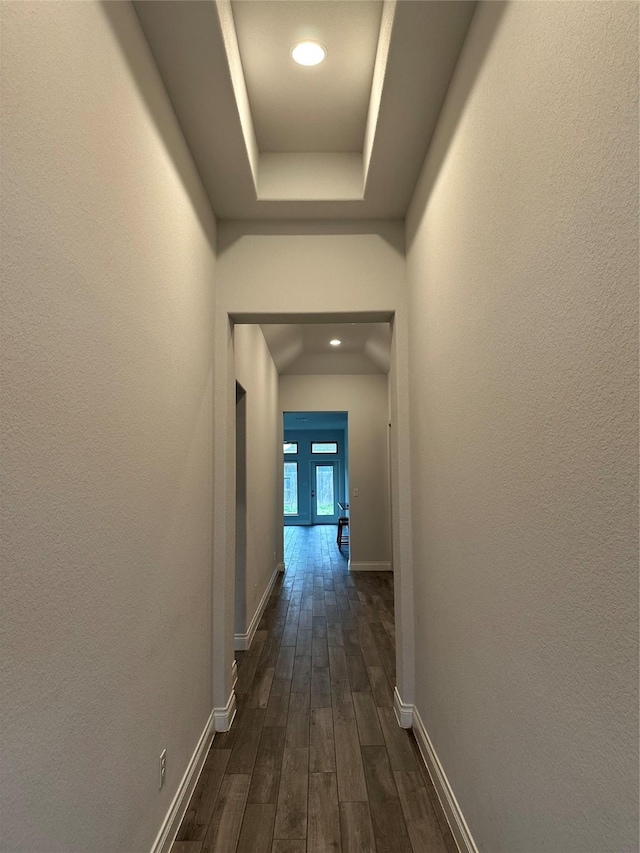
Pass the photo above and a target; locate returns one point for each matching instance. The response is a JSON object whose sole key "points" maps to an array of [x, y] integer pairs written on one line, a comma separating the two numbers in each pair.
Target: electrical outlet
{"points": [[163, 766]]}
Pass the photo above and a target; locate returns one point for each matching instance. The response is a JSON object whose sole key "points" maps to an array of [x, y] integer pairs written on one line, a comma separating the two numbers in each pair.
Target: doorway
{"points": [[316, 471]]}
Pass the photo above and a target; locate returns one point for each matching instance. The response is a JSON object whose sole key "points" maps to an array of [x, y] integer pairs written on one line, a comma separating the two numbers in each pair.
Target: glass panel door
{"points": [[291, 488], [324, 492]]}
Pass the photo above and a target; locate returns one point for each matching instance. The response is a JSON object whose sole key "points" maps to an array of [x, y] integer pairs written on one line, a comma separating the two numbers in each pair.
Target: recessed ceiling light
{"points": [[308, 53], [335, 342]]}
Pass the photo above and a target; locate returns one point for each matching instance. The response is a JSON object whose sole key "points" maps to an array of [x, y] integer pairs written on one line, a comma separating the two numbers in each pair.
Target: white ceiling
{"points": [[195, 46], [300, 109], [305, 349]]}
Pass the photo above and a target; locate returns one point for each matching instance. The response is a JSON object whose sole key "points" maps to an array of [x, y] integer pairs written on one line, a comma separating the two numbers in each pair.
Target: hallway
{"points": [[315, 760]]}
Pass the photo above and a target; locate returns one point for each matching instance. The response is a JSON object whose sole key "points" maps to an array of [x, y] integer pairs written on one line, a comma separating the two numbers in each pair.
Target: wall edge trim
{"points": [[177, 810], [404, 711], [223, 717], [448, 801], [241, 642], [375, 566]]}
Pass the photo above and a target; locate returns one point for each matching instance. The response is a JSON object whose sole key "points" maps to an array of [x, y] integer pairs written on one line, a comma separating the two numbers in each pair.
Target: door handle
{"points": [[313, 494]]}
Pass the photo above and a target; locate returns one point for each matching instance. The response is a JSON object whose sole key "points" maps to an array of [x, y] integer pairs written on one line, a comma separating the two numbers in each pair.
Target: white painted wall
{"points": [[107, 270], [306, 176], [311, 267], [365, 400], [523, 273], [257, 374]]}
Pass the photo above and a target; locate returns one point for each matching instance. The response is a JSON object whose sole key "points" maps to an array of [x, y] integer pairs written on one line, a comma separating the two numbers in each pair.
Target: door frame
{"points": [[223, 487]]}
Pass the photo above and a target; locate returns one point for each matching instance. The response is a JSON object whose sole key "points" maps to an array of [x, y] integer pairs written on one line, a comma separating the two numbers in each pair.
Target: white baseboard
{"points": [[369, 567], [280, 567], [223, 717], [241, 642], [404, 711], [180, 803], [447, 798], [234, 674]]}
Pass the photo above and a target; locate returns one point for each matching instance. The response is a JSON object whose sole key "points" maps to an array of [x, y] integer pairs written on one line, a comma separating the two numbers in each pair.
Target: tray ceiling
{"points": [[304, 348], [345, 141], [299, 109]]}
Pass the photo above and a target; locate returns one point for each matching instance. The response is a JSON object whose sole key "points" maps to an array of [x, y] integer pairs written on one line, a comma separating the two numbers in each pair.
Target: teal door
{"points": [[325, 492]]}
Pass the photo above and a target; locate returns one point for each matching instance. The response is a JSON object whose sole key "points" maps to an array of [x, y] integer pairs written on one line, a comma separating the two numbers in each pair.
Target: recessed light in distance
{"points": [[335, 342], [308, 53]]}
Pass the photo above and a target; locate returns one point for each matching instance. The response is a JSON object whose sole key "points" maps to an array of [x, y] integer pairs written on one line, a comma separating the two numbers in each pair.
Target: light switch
{"points": [[356, 493]]}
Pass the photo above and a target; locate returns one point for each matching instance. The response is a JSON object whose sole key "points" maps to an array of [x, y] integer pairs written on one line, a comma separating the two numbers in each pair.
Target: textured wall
{"points": [[107, 269], [523, 273], [257, 374], [366, 401], [307, 267]]}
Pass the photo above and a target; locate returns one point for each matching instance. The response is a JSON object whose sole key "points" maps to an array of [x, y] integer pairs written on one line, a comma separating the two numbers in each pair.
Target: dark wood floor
{"points": [[315, 760]]}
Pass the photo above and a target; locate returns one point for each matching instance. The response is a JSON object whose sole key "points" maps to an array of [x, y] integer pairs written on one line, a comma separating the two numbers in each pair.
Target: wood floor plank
{"points": [[258, 695], [320, 627], [257, 829], [324, 817], [322, 752], [380, 686], [356, 829], [351, 782], [369, 648], [291, 814], [264, 787], [281, 845], [243, 754], [320, 687], [303, 642], [397, 740], [334, 635], [338, 664], [367, 719], [186, 846], [281, 687], [419, 815], [290, 633], [298, 722], [270, 651], [320, 652], [224, 829], [284, 667], [301, 681], [196, 820], [358, 675], [351, 642], [277, 709], [270, 749], [306, 619], [341, 702], [389, 828], [379, 775], [347, 619]]}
